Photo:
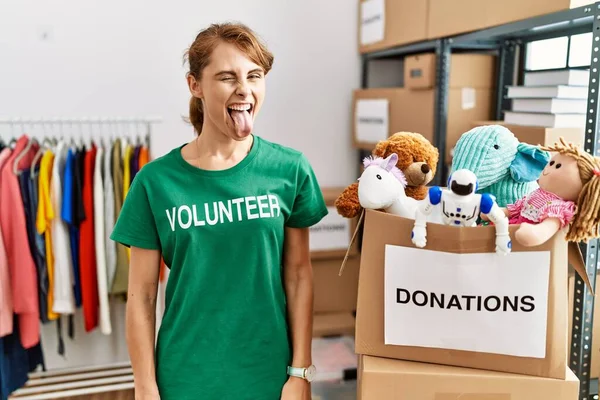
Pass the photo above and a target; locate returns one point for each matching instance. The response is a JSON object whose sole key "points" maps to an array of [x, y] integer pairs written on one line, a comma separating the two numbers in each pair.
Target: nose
{"points": [[425, 168], [242, 89]]}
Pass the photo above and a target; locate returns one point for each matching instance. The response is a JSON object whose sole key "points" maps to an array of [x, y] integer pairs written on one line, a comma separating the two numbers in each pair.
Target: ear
{"points": [[529, 163], [390, 161], [194, 86]]}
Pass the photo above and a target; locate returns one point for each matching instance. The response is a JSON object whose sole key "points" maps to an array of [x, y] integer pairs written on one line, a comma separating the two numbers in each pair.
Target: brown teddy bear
{"points": [[417, 158]]}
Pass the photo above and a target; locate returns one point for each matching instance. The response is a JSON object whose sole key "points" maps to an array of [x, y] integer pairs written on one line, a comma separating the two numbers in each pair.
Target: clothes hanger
{"points": [[46, 145], [22, 154]]}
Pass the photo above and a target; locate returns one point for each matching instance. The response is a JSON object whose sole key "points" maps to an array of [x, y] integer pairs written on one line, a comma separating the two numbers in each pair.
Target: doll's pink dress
{"points": [[539, 205]]}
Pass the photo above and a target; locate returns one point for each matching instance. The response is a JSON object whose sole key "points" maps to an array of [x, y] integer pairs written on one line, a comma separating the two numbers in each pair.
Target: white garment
{"points": [[109, 217], [64, 300], [100, 243]]}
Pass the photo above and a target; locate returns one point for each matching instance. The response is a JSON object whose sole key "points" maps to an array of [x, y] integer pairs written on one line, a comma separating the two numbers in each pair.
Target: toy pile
{"points": [[505, 202]]}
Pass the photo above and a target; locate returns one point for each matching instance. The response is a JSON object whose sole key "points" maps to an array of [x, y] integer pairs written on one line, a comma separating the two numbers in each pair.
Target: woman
{"points": [[229, 212]]}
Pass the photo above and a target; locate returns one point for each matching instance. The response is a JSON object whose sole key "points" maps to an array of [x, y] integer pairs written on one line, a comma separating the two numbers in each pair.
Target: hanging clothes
{"points": [[22, 269], [109, 218], [69, 217], [45, 214], [37, 243], [87, 246], [64, 298], [16, 362], [6, 304], [120, 281], [100, 242]]}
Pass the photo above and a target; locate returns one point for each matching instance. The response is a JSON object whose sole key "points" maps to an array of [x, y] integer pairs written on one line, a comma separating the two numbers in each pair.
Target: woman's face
{"points": [[232, 88]]}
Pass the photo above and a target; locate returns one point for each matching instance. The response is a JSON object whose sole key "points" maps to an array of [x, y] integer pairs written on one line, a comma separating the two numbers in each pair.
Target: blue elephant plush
{"points": [[504, 167]]}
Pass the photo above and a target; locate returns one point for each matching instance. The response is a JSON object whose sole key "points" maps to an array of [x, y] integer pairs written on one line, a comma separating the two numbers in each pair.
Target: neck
{"points": [[212, 143], [403, 206]]}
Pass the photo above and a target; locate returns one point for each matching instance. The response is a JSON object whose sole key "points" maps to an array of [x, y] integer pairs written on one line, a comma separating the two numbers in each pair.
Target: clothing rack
{"points": [[115, 125], [72, 142]]}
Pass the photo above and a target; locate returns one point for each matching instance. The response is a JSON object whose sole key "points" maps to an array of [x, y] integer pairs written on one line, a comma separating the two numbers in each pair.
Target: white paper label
{"points": [[468, 98], [331, 233], [372, 17], [480, 302], [372, 120]]}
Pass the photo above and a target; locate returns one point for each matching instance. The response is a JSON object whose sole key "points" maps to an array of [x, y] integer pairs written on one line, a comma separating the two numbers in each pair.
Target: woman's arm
{"points": [[141, 320], [298, 280]]}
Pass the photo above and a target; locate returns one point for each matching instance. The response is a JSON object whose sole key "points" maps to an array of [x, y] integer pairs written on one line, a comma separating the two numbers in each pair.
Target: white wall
{"points": [[121, 58]]}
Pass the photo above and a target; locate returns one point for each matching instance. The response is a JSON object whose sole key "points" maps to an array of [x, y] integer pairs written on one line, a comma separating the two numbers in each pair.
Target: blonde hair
{"points": [[586, 221], [198, 56]]}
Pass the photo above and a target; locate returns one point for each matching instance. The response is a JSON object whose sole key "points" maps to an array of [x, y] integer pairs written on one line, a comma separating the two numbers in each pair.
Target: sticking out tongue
{"points": [[242, 121]]}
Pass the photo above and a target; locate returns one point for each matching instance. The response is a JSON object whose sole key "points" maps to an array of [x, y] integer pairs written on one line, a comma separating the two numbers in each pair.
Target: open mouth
{"points": [[241, 115], [240, 108]]}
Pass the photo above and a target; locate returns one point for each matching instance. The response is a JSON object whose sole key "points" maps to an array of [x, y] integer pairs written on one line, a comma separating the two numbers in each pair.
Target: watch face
{"points": [[311, 373]]}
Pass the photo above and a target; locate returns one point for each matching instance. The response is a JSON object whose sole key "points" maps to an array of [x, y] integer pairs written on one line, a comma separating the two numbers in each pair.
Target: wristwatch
{"points": [[307, 374]]}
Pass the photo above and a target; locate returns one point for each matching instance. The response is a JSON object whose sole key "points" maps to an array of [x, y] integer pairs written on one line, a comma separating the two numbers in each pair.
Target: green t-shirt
{"points": [[224, 333]]}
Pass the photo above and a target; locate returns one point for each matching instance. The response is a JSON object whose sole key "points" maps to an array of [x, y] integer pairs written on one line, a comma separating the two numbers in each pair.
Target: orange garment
{"points": [[45, 214], [143, 158], [87, 247], [22, 270]]}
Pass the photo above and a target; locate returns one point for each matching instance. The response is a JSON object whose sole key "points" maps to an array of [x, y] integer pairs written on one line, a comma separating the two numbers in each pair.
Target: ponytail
{"points": [[196, 114]]}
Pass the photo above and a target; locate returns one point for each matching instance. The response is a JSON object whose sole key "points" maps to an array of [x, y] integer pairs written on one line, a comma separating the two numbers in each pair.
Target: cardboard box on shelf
{"points": [[329, 239], [386, 379], [466, 70], [538, 134], [458, 323], [387, 23], [379, 113], [333, 324], [451, 17], [334, 293]]}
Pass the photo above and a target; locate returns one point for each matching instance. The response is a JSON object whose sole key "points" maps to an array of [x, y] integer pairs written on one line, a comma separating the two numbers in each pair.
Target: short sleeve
{"points": [[309, 205], [135, 225], [564, 211]]}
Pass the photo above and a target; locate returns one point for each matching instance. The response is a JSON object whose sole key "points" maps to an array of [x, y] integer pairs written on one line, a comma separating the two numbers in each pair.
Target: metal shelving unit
{"points": [[509, 41]]}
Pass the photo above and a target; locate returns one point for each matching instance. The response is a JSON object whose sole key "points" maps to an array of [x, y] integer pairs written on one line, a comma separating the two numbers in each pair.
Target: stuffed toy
{"points": [[382, 187], [568, 196], [417, 159], [461, 206], [504, 167]]}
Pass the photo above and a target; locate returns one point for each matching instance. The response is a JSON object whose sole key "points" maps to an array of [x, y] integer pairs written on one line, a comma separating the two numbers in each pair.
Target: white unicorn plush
{"points": [[381, 187]]}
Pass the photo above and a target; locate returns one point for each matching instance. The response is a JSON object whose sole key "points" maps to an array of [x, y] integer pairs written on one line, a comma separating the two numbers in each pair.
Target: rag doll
{"points": [[568, 196], [505, 167]]}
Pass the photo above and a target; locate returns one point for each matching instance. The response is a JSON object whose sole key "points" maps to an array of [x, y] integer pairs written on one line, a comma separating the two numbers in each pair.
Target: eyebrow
{"points": [[233, 73]]}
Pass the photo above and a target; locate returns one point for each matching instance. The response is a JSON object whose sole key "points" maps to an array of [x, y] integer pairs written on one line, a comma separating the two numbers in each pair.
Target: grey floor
{"points": [[336, 364], [334, 390]]}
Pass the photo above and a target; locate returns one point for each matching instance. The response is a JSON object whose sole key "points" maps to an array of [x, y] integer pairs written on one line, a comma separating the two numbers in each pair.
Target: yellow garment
{"points": [[127, 178], [127, 169], [45, 213]]}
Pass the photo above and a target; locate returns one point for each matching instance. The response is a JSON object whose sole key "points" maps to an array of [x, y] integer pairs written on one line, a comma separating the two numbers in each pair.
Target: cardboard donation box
{"points": [[388, 23], [386, 379], [456, 302]]}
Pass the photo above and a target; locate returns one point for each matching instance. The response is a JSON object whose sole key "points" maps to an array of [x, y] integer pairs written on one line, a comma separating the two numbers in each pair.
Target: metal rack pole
{"points": [[442, 77], [505, 76], [583, 304]]}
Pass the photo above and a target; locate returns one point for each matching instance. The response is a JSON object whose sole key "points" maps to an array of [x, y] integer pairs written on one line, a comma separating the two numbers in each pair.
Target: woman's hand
{"points": [[296, 389]]}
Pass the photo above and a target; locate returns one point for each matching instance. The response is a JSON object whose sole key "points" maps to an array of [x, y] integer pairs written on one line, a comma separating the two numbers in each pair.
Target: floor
{"points": [[336, 368]]}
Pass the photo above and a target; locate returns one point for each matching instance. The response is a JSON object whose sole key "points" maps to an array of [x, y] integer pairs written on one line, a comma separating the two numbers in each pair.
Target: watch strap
{"points": [[296, 371]]}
